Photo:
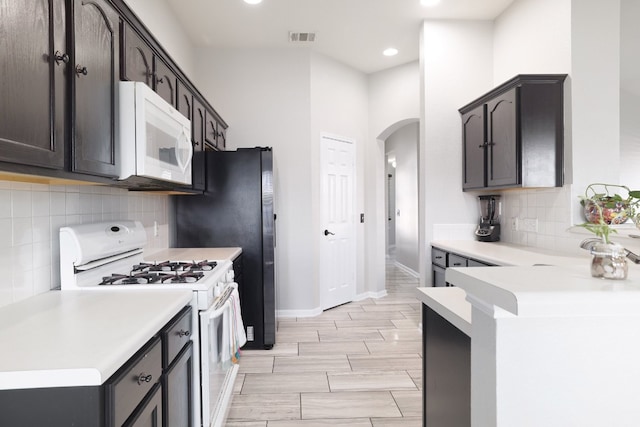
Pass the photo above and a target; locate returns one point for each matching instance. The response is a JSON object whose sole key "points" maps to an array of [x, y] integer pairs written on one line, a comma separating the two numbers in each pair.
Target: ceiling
{"points": [[354, 32]]}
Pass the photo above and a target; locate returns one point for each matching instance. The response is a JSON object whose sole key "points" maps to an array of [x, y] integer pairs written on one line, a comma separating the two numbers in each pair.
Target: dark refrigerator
{"points": [[237, 210]]}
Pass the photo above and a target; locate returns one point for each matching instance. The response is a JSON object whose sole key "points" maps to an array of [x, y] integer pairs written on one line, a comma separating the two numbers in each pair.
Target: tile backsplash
{"points": [[31, 216], [542, 219], [536, 218]]}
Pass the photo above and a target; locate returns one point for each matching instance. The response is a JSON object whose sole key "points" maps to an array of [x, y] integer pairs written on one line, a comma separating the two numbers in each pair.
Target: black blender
{"points": [[488, 229]]}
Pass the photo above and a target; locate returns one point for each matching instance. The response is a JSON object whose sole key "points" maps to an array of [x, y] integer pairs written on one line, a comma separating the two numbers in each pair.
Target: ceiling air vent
{"points": [[301, 37]]}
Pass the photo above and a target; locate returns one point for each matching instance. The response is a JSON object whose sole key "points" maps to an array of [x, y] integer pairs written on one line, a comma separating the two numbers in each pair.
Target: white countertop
{"points": [[449, 303], [75, 338], [187, 254], [550, 290], [501, 253]]}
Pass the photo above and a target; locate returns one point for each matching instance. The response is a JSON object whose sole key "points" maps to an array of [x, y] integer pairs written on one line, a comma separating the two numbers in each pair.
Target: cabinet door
{"points": [[185, 103], [178, 390], [94, 87], [446, 370], [438, 276], [150, 412], [473, 148], [136, 62], [165, 81], [503, 166], [211, 130], [198, 180], [32, 87], [222, 137]]}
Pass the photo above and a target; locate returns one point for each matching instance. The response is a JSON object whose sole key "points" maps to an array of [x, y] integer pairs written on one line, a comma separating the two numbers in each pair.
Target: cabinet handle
{"points": [[456, 264], [142, 378], [183, 333], [81, 70], [61, 57], [160, 80], [437, 257], [484, 144]]}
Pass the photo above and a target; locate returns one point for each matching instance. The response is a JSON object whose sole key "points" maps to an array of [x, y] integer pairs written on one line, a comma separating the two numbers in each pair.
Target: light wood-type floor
{"points": [[356, 365]]}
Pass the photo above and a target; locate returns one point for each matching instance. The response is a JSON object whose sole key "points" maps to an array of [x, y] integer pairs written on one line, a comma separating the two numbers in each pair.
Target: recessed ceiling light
{"points": [[427, 3], [253, 1], [392, 51]]}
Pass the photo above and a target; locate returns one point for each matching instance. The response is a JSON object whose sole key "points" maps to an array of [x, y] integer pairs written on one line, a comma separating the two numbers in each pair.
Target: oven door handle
{"points": [[214, 313]]}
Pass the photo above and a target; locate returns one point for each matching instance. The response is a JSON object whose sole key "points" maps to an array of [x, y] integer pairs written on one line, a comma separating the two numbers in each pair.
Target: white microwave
{"points": [[155, 139]]}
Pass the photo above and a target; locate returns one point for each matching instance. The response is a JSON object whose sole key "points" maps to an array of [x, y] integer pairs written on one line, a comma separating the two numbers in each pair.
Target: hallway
{"points": [[356, 365]]}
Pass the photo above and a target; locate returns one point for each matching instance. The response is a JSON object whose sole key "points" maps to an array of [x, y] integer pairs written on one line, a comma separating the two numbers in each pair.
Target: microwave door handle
{"points": [[184, 140]]}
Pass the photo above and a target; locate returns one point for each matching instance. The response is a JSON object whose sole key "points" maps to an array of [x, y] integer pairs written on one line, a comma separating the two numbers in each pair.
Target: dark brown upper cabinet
{"points": [[60, 65], [222, 137], [94, 87], [198, 180], [33, 62], [137, 57], [513, 136], [165, 81], [140, 64], [473, 148], [211, 130]]}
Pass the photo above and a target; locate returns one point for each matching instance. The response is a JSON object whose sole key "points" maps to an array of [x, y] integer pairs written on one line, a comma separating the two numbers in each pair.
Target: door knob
{"points": [[327, 232]]}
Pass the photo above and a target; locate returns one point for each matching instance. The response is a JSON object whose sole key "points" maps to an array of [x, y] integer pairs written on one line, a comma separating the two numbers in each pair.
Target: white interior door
{"points": [[337, 250]]}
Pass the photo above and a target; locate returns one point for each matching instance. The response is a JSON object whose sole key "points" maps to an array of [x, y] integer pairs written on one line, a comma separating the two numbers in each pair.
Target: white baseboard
{"points": [[366, 295], [281, 314], [407, 270]]}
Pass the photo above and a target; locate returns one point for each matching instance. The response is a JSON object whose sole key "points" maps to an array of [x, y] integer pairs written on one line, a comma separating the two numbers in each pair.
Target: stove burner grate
{"points": [[162, 273]]}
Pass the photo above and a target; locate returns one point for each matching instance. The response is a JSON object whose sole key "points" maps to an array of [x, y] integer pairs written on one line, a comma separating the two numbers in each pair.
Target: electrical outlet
{"points": [[530, 225], [514, 224], [156, 232]]}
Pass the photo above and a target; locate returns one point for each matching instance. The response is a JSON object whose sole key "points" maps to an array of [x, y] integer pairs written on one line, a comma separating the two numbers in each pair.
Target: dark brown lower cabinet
{"points": [[178, 386], [446, 370], [152, 389], [150, 413]]}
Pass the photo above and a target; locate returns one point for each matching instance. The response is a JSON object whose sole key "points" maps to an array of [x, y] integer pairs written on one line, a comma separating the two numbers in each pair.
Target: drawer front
{"points": [[474, 263], [134, 381], [176, 335], [457, 261], [438, 257]]}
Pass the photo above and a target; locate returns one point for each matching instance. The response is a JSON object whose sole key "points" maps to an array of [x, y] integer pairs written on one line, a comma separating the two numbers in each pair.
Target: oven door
{"points": [[218, 372]]}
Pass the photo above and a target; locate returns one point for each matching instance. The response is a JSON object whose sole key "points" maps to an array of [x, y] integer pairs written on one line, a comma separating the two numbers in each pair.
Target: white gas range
{"points": [[109, 255]]}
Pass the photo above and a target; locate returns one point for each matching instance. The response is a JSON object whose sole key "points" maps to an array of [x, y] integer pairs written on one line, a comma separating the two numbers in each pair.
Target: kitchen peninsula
{"points": [[549, 344]]}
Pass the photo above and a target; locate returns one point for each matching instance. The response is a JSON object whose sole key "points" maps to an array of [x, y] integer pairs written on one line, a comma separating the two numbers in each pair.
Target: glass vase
{"points": [[609, 261]]}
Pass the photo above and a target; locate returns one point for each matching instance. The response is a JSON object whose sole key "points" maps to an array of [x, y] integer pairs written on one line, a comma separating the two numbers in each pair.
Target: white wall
{"points": [[339, 102], [457, 66], [629, 94], [394, 101], [264, 96], [532, 36], [30, 219], [592, 114], [521, 48], [404, 145], [158, 17]]}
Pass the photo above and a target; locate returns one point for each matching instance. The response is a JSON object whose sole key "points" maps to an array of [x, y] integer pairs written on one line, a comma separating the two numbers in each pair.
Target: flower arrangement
{"points": [[608, 204]]}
